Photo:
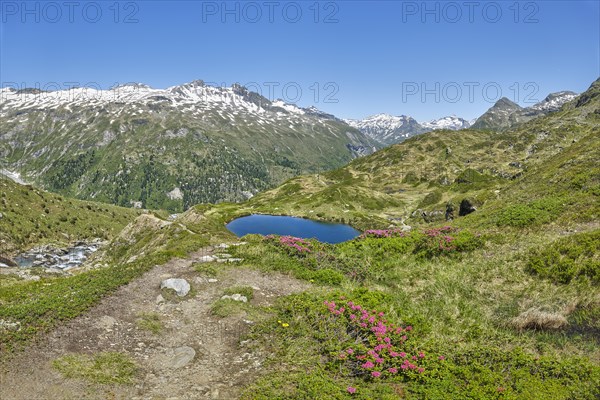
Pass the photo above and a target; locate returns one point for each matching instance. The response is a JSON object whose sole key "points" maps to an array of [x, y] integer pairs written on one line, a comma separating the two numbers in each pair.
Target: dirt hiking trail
{"points": [[196, 355]]}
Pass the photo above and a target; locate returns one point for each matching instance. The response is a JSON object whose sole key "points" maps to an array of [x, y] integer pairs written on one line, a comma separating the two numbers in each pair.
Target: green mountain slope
{"points": [[168, 148], [423, 173], [32, 216]]}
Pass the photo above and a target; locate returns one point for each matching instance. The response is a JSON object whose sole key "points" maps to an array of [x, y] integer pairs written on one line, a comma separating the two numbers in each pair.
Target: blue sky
{"points": [[350, 58]]}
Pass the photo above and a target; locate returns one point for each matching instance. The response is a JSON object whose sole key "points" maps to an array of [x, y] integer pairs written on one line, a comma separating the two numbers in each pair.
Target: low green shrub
{"points": [[537, 212], [567, 258]]}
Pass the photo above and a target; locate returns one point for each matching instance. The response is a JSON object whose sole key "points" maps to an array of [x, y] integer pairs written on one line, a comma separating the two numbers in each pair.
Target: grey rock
{"points": [[181, 286], [180, 357]]}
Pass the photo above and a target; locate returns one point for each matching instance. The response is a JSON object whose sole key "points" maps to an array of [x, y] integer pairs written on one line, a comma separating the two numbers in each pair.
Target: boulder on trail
{"points": [[180, 286]]}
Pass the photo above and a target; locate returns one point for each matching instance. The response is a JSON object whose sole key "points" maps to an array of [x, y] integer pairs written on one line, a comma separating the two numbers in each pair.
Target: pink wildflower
{"points": [[368, 365], [376, 374], [351, 390]]}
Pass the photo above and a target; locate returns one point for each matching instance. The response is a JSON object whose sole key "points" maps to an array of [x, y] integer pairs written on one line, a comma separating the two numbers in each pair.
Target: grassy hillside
{"points": [[31, 216], [426, 171], [501, 303]]}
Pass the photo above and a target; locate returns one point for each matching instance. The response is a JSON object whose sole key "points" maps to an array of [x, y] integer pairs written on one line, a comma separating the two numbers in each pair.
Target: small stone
{"points": [[212, 280], [160, 299], [181, 286], [180, 357], [204, 259], [10, 326], [236, 297]]}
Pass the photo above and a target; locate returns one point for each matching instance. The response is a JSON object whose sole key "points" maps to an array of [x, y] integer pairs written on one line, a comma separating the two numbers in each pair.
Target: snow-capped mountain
{"points": [[452, 122], [194, 96], [134, 143], [554, 101], [389, 129], [506, 113]]}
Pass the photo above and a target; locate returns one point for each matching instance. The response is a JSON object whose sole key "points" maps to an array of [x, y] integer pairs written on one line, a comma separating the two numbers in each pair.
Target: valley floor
{"points": [[219, 368]]}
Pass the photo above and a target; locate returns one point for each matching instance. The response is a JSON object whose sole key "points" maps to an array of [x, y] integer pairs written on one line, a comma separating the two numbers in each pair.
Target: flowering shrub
{"points": [[446, 241], [294, 245], [427, 243], [441, 238], [376, 348]]}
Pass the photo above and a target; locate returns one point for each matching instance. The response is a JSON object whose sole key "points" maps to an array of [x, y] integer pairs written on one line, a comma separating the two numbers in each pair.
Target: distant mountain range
{"points": [[167, 148], [195, 143], [388, 129], [505, 113]]}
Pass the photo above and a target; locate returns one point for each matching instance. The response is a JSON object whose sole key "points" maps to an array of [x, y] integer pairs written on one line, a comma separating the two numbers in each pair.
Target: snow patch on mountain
{"points": [[451, 122], [389, 129]]}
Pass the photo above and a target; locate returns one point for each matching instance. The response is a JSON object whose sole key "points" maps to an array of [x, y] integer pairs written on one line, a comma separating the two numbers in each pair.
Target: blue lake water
{"points": [[292, 226]]}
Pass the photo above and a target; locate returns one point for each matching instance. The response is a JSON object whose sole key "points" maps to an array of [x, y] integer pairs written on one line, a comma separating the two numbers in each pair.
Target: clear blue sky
{"points": [[370, 57]]}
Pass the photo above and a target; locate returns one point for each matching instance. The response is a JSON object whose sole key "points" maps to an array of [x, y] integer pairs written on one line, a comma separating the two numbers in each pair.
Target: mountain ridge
{"points": [[134, 145], [506, 113]]}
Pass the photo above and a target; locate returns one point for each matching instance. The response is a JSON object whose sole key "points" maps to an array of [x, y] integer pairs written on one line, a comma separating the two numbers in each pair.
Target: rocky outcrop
{"points": [[466, 208], [7, 261]]}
